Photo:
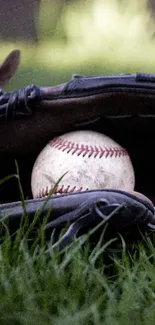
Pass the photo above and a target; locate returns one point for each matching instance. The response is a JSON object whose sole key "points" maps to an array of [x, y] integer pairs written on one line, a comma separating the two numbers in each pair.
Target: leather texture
{"points": [[121, 106], [125, 213]]}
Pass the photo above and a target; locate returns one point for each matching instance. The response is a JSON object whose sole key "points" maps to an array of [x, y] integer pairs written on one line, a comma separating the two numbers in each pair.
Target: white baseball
{"points": [[91, 160]]}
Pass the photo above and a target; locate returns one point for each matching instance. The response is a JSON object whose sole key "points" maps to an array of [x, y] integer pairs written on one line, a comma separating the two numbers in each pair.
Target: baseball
{"points": [[91, 160]]}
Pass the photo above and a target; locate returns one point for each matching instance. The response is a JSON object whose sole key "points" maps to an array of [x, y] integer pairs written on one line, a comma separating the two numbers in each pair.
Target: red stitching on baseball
{"points": [[81, 149], [60, 190]]}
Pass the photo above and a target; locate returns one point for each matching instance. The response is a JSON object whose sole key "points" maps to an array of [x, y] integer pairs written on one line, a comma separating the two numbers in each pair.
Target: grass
{"points": [[78, 286], [104, 284]]}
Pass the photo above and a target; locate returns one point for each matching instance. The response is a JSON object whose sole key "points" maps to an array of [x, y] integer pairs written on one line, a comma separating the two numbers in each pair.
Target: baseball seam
{"points": [[60, 190], [87, 150]]}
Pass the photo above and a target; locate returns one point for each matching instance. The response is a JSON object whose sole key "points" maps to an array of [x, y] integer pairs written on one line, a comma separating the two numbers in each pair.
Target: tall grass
{"points": [[83, 284], [78, 286]]}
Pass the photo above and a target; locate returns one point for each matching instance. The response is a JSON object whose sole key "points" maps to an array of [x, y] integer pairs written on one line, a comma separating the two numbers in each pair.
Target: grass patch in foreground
{"points": [[80, 286], [77, 287]]}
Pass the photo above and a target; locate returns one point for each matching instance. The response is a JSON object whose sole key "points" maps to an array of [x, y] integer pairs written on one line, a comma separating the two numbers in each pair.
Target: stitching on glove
{"points": [[81, 149]]}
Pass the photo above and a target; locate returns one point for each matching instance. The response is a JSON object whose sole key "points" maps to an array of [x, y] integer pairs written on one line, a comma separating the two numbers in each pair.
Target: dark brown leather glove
{"points": [[125, 213], [120, 106]]}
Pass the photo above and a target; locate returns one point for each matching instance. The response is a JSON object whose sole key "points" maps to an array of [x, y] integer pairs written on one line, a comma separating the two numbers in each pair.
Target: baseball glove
{"points": [[120, 106], [124, 213]]}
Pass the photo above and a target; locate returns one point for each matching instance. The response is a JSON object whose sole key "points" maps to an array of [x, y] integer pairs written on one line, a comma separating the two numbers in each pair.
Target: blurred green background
{"points": [[63, 37]]}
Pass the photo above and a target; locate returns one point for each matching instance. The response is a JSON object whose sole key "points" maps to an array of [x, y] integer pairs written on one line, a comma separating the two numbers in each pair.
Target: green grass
{"points": [[109, 283], [79, 286]]}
